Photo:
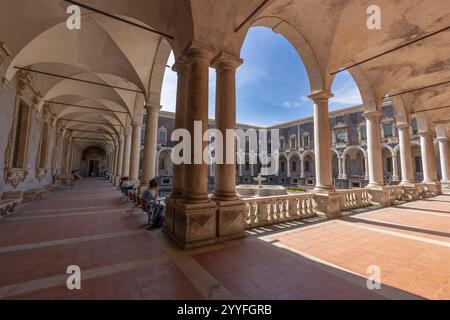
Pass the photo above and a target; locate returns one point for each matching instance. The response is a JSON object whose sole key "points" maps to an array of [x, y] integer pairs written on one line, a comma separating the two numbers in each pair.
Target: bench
{"points": [[65, 181], [136, 200], [7, 206], [33, 194]]}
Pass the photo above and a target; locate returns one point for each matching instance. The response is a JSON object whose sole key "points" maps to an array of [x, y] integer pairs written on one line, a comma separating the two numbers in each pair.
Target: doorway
{"points": [[94, 169]]}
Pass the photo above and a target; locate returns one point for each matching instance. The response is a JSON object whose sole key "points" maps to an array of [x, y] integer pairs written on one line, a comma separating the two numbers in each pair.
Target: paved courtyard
{"points": [[90, 227]]}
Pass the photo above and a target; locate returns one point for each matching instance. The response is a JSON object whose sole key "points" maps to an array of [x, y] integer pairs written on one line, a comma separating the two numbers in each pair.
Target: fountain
{"points": [[261, 190]]}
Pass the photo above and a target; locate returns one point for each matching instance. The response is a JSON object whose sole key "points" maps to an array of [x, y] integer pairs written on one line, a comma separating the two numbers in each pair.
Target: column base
{"points": [[378, 196], [327, 203], [191, 225], [230, 220]]}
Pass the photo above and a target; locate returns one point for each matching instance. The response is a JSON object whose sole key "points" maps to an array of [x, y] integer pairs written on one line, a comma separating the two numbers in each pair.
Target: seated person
{"points": [[154, 206], [76, 175], [126, 185]]}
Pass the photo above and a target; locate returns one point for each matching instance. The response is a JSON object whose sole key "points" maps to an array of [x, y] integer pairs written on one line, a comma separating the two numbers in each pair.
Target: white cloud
{"points": [[169, 88], [347, 96]]}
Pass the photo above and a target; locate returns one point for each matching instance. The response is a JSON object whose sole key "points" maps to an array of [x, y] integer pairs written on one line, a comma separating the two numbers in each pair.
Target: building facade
{"points": [[297, 163]]}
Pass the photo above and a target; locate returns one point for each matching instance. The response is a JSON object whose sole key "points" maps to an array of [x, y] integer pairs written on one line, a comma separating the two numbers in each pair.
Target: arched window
{"points": [[293, 142]]}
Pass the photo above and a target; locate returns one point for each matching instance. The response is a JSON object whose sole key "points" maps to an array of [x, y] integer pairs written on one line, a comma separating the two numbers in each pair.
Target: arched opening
{"points": [[346, 92], [93, 162]]}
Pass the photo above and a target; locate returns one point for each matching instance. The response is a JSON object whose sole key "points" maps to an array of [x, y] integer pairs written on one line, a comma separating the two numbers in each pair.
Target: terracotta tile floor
{"points": [[88, 226]]}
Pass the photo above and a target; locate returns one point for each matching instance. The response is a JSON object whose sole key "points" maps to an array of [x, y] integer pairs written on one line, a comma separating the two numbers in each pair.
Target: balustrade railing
{"points": [[278, 209], [354, 198], [395, 193]]}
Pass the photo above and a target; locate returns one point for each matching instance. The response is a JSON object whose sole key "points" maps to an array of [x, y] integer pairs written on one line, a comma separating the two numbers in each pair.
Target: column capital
{"points": [[182, 64], [199, 50], [322, 95], [225, 60], [372, 115], [442, 139], [425, 133], [403, 126], [152, 108]]}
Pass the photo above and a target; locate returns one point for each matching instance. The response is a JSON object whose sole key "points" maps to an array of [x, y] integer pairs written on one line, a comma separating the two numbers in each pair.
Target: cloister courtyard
{"points": [[134, 137]]}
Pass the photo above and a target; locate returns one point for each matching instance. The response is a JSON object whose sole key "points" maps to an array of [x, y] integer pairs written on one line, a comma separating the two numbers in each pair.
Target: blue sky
{"points": [[272, 84]]}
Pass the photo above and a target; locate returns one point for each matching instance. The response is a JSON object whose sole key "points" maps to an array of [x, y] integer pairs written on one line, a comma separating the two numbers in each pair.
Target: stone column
{"points": [[150, 143], [366, 168], [135, 152], [444, 153], [196, 184], [115, 162], [406, 162], [230, 212], [394, 168], [374, 149], [327, 200], [126, 153], [428, 157], [375, 161], [120, 159], [340, 171], [182, 68], [302, 168], [192, 220], [288, 167], [225, 174], [324, 180], [344, 168]]}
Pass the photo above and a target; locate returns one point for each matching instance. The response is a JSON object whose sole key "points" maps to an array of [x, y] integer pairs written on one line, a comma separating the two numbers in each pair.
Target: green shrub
{"points": [[297, 189]]}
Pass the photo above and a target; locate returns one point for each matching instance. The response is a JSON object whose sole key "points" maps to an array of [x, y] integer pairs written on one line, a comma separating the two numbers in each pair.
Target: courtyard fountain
{"points": [[261, 190]]}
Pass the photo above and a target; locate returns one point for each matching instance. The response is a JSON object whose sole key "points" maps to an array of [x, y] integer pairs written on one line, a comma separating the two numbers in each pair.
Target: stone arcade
{"points": [[90, 99]]}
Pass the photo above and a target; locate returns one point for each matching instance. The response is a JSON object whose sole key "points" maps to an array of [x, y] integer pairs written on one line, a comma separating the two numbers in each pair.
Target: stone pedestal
{"points": [[379, 197], [328, 204], [230, 220], [431, 189], [191, 225], [411, 192]]}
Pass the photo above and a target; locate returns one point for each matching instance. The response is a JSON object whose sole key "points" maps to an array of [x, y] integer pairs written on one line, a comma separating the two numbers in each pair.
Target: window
{"points": [[306, 141], [293, 143], [415, 127], [307, 166], [387, 128], [20, 143], [389, 164], [282, 144], [294, 166], [282, 166], [162, 136], [418, 164], [340, 137], [44, 146], [162, 164], [363, 133]]}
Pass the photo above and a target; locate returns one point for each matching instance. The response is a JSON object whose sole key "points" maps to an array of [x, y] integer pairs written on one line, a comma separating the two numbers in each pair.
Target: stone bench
{"points": [[31, 195], [7, 206]]}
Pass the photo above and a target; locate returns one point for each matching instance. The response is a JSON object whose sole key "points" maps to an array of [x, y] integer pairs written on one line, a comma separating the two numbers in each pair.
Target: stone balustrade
{"points": [[273, 210], [354, 198], [395, 193], [278, 209]]}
